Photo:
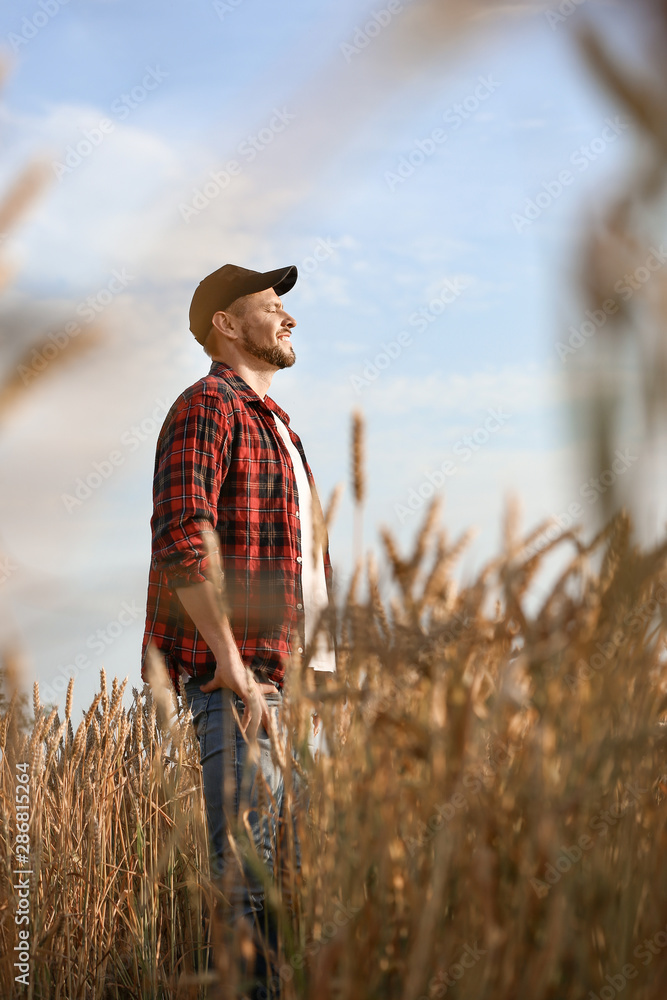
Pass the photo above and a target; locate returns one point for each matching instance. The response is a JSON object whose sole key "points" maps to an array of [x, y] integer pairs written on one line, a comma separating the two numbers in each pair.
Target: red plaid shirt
{"points": [[221, 466]]}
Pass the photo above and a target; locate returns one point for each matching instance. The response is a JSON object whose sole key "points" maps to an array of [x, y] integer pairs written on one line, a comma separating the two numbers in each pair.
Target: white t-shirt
{"points": [[313, 579]]}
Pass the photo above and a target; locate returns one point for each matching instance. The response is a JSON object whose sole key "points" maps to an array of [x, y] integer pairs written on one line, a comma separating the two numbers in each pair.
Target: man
{"points": [[230, 469]]}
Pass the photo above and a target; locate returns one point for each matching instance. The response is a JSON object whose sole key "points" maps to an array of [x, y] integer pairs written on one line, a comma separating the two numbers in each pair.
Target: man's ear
{"points": [[224, 322]]}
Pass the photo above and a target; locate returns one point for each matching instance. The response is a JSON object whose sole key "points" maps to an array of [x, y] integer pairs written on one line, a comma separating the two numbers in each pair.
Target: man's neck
{"points": [[259, 379]]}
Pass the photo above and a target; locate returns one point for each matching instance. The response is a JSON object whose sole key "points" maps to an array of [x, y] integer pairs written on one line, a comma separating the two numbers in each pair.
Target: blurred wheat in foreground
{"points": [[490, 822]]}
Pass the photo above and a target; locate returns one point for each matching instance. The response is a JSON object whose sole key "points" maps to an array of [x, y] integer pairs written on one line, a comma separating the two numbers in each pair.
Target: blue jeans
{"points": [[235, 795]]}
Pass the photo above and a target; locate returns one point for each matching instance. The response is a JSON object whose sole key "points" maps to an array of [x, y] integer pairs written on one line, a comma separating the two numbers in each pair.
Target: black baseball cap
{"points": [[219, 289]]}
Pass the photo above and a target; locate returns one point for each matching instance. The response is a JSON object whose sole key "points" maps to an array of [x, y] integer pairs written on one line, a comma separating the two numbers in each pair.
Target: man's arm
{"points": [[191, 464], [202, 603]]}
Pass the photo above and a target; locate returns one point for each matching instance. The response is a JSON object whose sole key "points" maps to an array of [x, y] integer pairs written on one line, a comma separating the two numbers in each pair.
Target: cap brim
{"points": [[281, 280]]}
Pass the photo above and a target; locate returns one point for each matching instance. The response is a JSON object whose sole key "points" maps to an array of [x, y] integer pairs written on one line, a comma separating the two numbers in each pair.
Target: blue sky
{"points": [[515, 108]]}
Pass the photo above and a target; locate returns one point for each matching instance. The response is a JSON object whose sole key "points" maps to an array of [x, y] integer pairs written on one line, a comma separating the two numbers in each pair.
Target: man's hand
{"points": [[239, 678], [201, 601], [256, 710]]}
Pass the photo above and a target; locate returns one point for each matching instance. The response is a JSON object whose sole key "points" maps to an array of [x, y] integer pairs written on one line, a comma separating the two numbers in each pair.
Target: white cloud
{"points": [[105, 197], [324, 288], [525, 386]]}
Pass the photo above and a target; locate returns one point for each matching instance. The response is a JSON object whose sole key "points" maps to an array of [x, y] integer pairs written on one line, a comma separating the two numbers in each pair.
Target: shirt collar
{"points": [[241, 387]]}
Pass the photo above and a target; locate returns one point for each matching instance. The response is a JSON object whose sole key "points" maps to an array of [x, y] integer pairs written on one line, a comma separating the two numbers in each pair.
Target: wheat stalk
{"points": [[36, 706]]}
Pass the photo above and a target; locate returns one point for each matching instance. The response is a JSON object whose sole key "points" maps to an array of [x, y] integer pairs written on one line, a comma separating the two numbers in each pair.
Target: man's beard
{"points": [[272, 355]]}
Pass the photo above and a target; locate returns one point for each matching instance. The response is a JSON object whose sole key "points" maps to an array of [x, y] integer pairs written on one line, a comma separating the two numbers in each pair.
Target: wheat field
{"points": [[489, 821]]}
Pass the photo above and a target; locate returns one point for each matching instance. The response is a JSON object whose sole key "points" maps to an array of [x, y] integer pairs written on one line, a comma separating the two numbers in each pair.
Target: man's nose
{"points": [[289, 321]]}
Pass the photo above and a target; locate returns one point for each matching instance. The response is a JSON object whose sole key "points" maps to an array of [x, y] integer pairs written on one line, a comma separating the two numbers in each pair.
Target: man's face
{"points": [[266, 328]]}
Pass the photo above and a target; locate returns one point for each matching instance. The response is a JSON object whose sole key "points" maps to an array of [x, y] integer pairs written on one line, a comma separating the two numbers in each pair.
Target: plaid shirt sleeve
{"points": [[192, 459]]}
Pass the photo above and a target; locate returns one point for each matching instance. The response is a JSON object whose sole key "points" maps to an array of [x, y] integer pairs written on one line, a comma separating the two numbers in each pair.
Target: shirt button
{"points": [[300, 649], [299, 559], [299, 607], [298, 514]]}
